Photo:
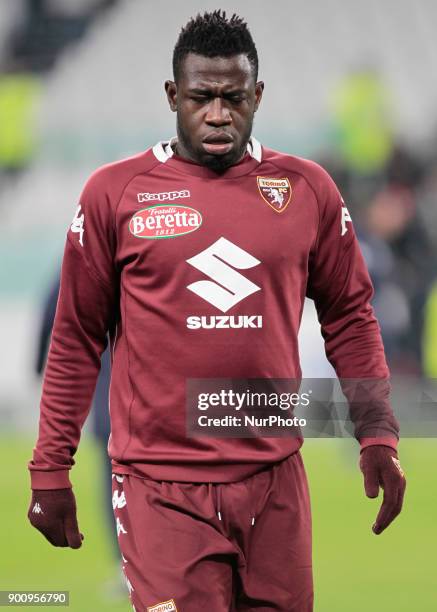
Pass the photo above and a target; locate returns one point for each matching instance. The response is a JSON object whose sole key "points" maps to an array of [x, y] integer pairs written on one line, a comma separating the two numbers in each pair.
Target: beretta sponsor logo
{"points": [[163, 221]]}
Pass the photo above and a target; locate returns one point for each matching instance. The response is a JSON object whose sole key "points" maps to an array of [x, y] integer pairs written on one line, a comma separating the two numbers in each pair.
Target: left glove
{"points": [[381, 468], [53, 513]]}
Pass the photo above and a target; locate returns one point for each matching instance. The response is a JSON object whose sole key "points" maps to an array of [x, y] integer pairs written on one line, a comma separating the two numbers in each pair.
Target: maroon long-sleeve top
{"points": [[199, 275]]}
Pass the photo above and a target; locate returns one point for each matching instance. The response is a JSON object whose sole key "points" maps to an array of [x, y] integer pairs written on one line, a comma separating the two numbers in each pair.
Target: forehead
{"points": [[224, 71]]}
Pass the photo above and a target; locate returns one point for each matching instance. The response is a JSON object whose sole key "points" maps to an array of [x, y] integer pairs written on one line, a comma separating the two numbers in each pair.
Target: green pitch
{"points": [[354, 570]]}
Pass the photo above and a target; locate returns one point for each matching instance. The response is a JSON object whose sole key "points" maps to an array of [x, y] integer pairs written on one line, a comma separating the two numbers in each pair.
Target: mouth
{"points": [[218, 143]]}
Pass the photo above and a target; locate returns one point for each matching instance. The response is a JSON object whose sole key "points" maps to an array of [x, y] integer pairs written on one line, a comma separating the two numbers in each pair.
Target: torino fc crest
{"points": [[276, 192]]}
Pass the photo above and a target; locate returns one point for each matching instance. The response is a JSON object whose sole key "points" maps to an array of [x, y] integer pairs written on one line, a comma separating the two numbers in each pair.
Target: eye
{"points": [[236, 99], [199, 98]]}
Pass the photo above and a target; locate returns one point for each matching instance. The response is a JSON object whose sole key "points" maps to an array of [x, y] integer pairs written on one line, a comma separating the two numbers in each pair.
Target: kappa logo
{"points": [[120, 527], [398, 465], [37, 509], [345, 216], [118, 501], [77, 224], [163, 196], [130, 588], [165, 606], [276, 192]]}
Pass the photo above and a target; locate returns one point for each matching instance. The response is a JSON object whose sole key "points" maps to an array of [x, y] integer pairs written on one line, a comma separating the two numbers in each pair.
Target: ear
{"points": [[259, 88], [171, 90]]}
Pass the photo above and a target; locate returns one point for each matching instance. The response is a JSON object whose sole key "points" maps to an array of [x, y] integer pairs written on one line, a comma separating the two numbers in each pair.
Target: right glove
{"points": [[53, 513], [381, 468]]}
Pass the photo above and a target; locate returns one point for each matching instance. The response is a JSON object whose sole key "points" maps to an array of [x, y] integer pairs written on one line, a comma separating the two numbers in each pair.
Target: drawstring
{"points": [[218, 503], [211, 487], [253, 511], [218, 511], [252, 502]]}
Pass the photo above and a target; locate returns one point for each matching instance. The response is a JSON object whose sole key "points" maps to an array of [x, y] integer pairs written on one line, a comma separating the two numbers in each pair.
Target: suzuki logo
{"points": [[227, 286]]}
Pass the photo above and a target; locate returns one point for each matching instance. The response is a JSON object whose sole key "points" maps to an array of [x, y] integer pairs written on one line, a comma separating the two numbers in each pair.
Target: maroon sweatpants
{"points": [[194, 547]]}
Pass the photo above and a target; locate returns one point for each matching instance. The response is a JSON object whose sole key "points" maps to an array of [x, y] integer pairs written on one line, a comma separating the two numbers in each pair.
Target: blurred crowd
{"points": [[33, 36], [391, 192]]}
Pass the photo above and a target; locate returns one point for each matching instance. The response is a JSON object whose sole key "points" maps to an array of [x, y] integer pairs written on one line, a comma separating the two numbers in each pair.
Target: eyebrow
{"points": [[204, 90]]}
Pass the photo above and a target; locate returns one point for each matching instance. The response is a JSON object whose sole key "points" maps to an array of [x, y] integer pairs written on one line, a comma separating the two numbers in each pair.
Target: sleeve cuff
{"points": [[381, 441], [55, 479]]}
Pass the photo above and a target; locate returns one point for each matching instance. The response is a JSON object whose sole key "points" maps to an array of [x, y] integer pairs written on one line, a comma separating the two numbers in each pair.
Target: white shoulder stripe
{"points": [[255, 149], [168, 149], [162, 151]]}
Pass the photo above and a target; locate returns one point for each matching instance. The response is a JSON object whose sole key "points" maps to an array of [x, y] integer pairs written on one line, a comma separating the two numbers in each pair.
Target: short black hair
{"points": [[215, 35]]}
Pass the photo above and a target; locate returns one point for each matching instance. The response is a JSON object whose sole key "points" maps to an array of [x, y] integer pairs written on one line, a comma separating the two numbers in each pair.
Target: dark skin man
{"points": [[215, 100]]}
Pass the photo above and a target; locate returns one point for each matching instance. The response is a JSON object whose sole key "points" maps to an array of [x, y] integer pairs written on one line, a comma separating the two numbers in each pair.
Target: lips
{"points": [[218, 143], [218, 137]]}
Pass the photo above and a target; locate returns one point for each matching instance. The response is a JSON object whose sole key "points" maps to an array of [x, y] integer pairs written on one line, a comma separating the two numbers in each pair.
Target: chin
{"points": [[220, 163]]}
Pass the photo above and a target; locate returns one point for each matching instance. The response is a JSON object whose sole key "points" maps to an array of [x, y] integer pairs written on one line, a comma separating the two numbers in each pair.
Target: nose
{"points": [[218, 114]]}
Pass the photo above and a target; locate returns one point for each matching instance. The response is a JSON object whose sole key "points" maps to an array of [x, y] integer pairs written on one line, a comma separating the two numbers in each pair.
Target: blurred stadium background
{"points": [[350, 84]]}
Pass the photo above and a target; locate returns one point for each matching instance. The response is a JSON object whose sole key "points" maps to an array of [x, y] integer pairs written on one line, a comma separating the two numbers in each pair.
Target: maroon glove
{"points": [[53, 513], [381, 468]]}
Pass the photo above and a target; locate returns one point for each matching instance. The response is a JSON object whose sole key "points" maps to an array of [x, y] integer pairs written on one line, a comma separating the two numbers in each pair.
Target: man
{"points": [[196, 257]]}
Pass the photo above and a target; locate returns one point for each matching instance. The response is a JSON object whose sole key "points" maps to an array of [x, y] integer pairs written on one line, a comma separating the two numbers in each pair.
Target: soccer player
{"points": [[196, 256]]}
